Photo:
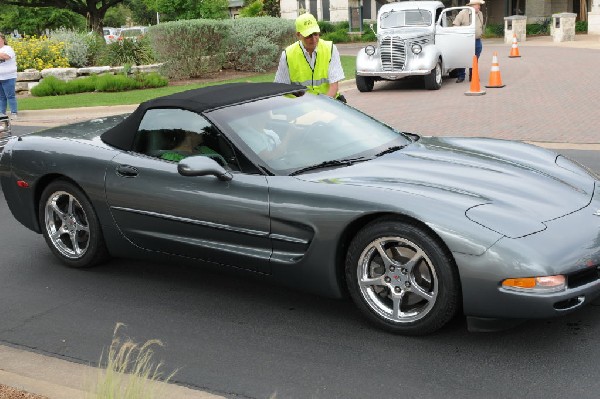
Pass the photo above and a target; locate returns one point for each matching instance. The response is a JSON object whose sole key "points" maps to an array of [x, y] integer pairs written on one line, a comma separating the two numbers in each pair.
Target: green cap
{"points": [[306, 25]]}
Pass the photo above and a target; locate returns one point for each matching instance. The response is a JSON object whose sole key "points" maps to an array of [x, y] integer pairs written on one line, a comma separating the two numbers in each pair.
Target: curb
{"points": [[38, 374]]}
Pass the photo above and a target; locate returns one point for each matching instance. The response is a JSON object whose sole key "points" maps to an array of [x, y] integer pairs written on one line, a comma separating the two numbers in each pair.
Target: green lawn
{"points": [[138, 96]]}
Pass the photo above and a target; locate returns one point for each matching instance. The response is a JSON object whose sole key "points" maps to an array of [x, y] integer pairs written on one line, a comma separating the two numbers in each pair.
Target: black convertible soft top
{"points": [[197, 100]]}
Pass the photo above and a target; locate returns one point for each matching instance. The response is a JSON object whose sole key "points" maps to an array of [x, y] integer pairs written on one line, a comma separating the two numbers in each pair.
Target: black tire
{"points": [[433, 81], [415, 287], [365, 83], [70, 225]]}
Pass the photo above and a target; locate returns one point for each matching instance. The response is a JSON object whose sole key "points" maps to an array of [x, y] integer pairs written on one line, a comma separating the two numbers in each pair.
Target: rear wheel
{"points": [[433, 81], [364, 83], [401, 278], [70, 225]]}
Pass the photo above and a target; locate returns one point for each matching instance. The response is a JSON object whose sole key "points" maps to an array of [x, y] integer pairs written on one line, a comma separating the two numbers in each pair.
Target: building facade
{"points": [[494, 10]]}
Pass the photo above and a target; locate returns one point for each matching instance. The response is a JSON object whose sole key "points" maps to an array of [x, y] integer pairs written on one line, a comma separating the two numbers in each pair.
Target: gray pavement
{"points": [[550, 98]]}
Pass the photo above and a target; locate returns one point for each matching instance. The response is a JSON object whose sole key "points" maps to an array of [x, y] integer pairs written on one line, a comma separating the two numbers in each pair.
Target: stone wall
{"points": [[29, 78]]}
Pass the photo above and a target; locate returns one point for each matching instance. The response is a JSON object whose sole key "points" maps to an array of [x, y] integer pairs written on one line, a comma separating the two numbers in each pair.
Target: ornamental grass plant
{"points": [[128, 370]]}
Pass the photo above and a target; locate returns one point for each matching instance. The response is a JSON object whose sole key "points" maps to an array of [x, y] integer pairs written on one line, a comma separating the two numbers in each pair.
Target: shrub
{"points": [[368, 34], [96, 49], [256, 43], [190, 48], [52, 86], [538, 29], [339, 36], [76, 46], [326, 27], [494, 30], [38, 53], [581, 26], [254, 9], [129, 51]]}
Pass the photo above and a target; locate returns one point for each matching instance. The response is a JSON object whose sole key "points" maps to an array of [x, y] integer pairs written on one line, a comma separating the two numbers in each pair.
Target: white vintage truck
{"points": [[416, 38]]}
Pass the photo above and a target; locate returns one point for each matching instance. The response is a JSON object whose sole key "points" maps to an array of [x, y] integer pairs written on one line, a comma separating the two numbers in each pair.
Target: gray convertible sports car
{"points": [[309, 192]]}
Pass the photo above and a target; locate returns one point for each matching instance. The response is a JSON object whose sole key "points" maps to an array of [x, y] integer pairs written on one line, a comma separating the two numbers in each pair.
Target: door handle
{"points": [[127, 171]]}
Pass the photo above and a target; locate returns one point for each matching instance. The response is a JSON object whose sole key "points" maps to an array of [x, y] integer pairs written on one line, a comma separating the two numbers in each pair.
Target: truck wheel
{"points": [[364, 83], [433, 81]]}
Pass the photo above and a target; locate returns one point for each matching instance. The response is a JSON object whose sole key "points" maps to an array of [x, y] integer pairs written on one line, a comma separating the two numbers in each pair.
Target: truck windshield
{"points": [[397, 19]]}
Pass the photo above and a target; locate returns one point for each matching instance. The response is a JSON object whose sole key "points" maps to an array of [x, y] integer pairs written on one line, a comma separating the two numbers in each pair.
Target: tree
{"points": [[34, 21], [171, 10], [272, 8], [92, 10]]}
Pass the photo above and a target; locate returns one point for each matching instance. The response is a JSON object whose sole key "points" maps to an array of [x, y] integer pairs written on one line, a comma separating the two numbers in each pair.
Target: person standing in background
{"points": [[464, 19], [8, 78]]}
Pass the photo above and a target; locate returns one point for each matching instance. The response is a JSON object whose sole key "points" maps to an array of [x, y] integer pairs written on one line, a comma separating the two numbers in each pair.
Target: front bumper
{"points": [[5, 130], [570, 245], [395, 74]]}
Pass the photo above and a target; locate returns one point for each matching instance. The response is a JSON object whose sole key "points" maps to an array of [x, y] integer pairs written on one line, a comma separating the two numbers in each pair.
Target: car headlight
{"points": [[416, 48], [544, 284], [370, 50], [4, 128]]}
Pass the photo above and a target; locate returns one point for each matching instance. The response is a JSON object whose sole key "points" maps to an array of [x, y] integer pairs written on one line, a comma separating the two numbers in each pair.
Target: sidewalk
{"points": [[61, 379]]}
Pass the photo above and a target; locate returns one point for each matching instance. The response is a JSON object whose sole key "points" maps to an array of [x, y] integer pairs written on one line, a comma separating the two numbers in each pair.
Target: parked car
{"points": [[5, 130], [416, 38], [111, 34], [309, 192], [133, 33]]}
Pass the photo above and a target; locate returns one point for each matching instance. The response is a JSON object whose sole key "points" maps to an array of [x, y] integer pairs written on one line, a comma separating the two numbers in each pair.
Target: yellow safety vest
{"points": [[317, 80]]}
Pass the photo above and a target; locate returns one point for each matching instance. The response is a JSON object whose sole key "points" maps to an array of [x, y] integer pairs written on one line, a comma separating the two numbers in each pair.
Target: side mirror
{"points": [[202, 166]]}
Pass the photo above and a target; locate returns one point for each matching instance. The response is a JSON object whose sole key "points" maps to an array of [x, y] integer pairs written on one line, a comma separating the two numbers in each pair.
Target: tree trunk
{"points": [[95, 17]]}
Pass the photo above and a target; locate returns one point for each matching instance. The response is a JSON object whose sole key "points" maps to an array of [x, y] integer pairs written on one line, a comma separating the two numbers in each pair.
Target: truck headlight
{"points": [[416, 48], [370, 50]]}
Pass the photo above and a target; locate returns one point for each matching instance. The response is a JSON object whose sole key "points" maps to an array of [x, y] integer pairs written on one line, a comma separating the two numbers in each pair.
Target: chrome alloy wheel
{"points": [[438, 74], [397, 279], [67, 225]]}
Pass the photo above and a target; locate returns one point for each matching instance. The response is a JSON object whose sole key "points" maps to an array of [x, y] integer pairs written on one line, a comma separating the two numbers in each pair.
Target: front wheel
{"points": [[433, 81], [365, 83], [70, 225], [401, 278]]}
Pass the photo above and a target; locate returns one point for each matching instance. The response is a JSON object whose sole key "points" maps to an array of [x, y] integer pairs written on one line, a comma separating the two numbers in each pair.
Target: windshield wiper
{"points": [[327, 164], [390, 150]]}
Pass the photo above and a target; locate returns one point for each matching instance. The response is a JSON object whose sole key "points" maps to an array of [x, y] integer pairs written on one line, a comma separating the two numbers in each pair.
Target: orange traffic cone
{"points": [[475, 89], [495, 78], [514, 51]]}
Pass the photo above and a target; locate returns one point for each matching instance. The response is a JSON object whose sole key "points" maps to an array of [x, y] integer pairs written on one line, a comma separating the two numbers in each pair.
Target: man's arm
{"points": [[283, 73], [462, 18], [335, 72]]}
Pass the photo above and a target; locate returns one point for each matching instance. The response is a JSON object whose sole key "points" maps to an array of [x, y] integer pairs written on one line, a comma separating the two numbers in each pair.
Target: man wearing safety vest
{"points": [[311, 61]]}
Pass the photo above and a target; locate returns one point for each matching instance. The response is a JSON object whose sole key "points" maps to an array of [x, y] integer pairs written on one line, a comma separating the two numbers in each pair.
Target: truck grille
{"points": [[393, 53]]}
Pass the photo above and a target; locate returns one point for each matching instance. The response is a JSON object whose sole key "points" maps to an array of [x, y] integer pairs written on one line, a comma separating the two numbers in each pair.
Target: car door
{"points": [[200, 217], [456, 43]]}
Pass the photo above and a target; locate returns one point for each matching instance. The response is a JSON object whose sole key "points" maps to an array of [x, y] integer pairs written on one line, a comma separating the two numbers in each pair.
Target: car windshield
{"points": [[288, 133], [397, 19]]}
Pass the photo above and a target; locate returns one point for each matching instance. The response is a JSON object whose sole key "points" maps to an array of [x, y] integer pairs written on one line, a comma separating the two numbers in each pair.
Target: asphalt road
{"points": [[242, 337]]}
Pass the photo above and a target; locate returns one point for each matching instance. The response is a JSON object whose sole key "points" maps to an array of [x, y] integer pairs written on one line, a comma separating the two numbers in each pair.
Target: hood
{"points": [[509, 187], [87, 131]]}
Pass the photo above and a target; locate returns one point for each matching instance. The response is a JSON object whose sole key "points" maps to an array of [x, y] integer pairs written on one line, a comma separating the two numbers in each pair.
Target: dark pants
{"points": [[478, 49]]}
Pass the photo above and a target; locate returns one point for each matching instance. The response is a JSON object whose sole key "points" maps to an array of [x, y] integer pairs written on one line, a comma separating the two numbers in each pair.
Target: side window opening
{"points": [[174, 134]]}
